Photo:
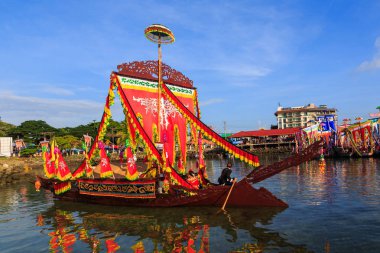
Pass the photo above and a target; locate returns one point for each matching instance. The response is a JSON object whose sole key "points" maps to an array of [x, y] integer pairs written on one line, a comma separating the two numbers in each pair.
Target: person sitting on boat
{"points": [[225, 176], [192, 178]]}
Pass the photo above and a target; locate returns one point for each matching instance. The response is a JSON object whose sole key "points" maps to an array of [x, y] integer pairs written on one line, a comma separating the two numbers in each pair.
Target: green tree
{"points": [[31, 131], [113, 133], [79, 131], [28, 152], [68, 142], [5, 129]]}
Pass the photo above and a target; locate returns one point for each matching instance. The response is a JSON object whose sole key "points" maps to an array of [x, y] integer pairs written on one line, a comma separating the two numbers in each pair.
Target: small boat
{"points": [[343, 152]]}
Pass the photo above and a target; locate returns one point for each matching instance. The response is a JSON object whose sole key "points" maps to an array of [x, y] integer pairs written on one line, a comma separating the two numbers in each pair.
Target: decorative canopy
{"points": [[149, 69], [159, 34]]}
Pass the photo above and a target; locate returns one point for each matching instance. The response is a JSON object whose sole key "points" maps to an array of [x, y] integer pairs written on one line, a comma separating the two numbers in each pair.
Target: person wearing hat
{"points": [[225, 176]]}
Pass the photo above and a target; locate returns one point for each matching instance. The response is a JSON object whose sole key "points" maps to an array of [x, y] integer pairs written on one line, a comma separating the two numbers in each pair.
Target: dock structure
{"points": [[266, 140]]}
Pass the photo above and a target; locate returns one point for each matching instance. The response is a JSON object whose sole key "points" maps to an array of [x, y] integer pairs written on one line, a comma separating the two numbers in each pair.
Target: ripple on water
{"points": [[337, 207]]}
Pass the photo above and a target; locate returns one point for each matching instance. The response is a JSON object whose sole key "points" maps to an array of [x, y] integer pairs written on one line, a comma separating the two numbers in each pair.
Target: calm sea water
{"points": [[332, 209]]}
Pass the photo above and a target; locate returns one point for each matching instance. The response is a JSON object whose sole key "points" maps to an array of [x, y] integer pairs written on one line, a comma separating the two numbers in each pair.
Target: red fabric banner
{"points": [[142, 95], [48, 165], [63, 171], [105, 166], [131, 173]]}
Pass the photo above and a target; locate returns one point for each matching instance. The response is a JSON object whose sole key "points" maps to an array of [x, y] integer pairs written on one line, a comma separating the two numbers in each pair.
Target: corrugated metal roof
{"points": [[270, 132]]}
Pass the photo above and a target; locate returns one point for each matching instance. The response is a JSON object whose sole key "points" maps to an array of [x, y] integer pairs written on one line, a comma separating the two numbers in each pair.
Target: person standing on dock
{"points": [[225, 177]]}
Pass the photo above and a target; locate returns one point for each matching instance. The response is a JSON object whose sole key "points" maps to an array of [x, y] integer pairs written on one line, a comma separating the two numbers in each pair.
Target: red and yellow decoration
{"points": [[112, 246], [208, 133], [105, 165], [63, 171], [138, 247], [62, 187], [131, 173], [178, 109], [49, 167]]}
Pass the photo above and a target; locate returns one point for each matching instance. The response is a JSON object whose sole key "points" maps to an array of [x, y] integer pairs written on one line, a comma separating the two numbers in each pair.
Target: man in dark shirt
{"points": [[225, 177]]}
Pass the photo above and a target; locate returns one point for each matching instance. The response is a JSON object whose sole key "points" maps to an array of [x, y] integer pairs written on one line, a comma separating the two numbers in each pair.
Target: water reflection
{"points": [[76, 227], [331, 209]]}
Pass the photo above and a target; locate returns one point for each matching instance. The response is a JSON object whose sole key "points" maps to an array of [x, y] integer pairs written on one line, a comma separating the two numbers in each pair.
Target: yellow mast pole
{"points": [[159, 91]]}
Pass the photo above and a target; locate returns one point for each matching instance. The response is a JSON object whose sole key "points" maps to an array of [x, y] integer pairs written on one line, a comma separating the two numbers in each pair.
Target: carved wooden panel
{"points": [[149, 70]]}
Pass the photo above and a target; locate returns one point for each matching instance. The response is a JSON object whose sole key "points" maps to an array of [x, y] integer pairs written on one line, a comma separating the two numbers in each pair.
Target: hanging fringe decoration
{"points": [[62, 187], [206, 131], [102, 129]]}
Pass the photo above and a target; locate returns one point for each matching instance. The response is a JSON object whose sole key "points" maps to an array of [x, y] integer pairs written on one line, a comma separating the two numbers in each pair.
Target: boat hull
{"points": [[242, 195]]}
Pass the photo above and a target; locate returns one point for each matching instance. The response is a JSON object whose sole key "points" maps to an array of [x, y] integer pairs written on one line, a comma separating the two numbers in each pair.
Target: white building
{"points": [[6, 148], [302, 116]]}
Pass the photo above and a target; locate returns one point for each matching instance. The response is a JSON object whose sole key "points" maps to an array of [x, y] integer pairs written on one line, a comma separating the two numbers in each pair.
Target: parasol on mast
{"points": [[159, 34]]}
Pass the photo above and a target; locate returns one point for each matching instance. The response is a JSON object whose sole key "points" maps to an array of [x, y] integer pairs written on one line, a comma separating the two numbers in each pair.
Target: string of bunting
{"points": [[84, 168], [210, 134], [62, 187]]}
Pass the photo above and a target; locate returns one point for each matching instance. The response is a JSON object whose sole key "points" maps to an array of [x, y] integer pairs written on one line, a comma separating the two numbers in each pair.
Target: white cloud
{"points": [[57, 90], [56, 112], [375, 62], [211, 101], [246, 71]]}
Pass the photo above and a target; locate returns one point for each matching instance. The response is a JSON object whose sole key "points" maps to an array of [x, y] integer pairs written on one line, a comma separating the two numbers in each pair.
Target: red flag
{"points": [[105, 166], [138, 247], [48, 165], [112, 246], [63, 172], [132, 173]]}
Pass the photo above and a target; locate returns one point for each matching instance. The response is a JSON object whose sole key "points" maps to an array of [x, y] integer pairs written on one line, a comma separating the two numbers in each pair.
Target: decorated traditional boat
{"points": [[161, 111], [360, 138]]}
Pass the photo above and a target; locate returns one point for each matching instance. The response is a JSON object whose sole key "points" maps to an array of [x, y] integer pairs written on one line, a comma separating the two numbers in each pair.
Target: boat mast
{"points": [[159, 34]]}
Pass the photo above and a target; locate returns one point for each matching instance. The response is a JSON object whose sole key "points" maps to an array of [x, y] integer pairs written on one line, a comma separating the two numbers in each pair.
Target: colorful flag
{"points": [[105, 165], [131, 173], [63, 171]]}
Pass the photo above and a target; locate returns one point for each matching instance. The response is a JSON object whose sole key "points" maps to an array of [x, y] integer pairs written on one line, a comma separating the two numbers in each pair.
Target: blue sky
{"points": [[245, 57]]}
